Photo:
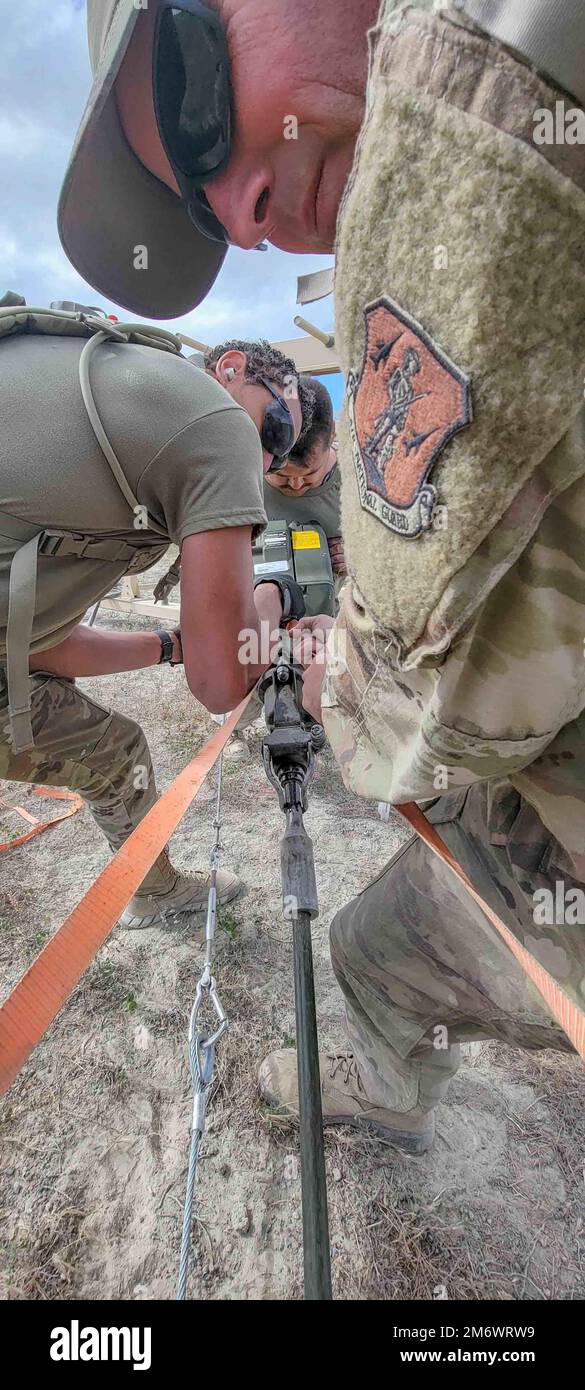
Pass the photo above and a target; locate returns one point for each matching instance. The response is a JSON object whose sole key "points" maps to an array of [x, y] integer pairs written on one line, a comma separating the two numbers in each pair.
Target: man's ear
{"points": [[231, 367]]}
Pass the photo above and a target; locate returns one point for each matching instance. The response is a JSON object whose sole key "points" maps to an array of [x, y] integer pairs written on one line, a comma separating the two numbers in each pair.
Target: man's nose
{"points": [[296, 483], [242, 204]]}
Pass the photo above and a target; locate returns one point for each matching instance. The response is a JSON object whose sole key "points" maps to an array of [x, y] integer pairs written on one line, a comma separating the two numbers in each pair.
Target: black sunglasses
{"points": [[278, 432], [193, 102]]}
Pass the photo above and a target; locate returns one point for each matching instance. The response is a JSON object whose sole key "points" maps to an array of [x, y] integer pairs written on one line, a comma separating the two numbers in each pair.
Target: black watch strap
{"points": [[166, 647]]}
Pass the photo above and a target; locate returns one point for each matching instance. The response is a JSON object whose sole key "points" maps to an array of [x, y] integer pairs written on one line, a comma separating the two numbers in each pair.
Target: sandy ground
{"points": [[94, 1134]]}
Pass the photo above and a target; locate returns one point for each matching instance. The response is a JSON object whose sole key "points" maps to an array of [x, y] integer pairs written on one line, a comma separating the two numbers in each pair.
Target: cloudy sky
{"points": [[45, 82]]}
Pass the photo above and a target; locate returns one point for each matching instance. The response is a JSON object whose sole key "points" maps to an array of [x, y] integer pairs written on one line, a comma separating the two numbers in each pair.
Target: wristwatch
{"points": [[166, 649]]}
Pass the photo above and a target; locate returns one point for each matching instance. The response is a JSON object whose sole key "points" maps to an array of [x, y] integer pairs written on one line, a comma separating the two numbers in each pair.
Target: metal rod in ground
{"points": [[315, 1218]]}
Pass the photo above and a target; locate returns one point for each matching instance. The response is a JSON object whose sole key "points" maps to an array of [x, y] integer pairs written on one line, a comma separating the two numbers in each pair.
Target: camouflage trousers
{"points": [[421, 967], [89, 749]]}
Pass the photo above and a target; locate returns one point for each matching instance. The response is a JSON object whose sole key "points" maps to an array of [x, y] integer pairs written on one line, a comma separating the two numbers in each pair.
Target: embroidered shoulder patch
{"points": [[406, 404]]}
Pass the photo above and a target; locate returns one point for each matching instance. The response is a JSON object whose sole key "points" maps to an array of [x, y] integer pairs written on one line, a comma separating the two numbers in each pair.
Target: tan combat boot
{"points": [[344, 1099], [166, 893]]}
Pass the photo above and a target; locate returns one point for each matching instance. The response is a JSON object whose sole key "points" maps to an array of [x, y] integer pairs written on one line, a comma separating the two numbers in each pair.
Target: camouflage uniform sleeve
{"points": [[493, 702], [458, 653]]}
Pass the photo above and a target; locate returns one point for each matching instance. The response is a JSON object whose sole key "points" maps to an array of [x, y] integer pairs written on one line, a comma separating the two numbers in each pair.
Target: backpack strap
{"points": [[26, 318], [164, 586], [95, 421], [66, 543], [22, 318], [23, 570], [119, 333], [21, 607]]}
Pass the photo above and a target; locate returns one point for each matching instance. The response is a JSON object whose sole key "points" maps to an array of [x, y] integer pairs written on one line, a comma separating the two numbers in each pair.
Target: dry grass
{"points": [[46, 1252], [396, 1246], [94, 1133]]}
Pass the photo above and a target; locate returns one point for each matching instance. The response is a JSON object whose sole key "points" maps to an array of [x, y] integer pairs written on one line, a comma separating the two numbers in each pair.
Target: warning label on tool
{"points": [[306, 540]]}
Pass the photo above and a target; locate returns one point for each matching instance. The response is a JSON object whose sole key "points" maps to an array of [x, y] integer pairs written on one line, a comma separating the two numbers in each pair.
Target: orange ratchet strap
{"points": [[36, 999], [566, 1012], [40, 825]]}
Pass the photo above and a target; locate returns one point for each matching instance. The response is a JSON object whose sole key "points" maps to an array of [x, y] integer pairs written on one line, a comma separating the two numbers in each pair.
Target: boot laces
{"points": [[345, 1063]]}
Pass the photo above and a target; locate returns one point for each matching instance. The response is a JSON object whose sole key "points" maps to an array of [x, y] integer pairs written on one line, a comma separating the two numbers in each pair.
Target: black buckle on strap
{"points": [[52, 542]]}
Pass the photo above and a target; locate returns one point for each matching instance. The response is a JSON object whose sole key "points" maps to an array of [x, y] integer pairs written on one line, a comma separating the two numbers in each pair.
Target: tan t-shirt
{"points": [[191, 456]]}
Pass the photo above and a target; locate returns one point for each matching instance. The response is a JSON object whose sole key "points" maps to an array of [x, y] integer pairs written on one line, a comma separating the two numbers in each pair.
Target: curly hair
{"points": [[317, 408], [263, 360]]}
